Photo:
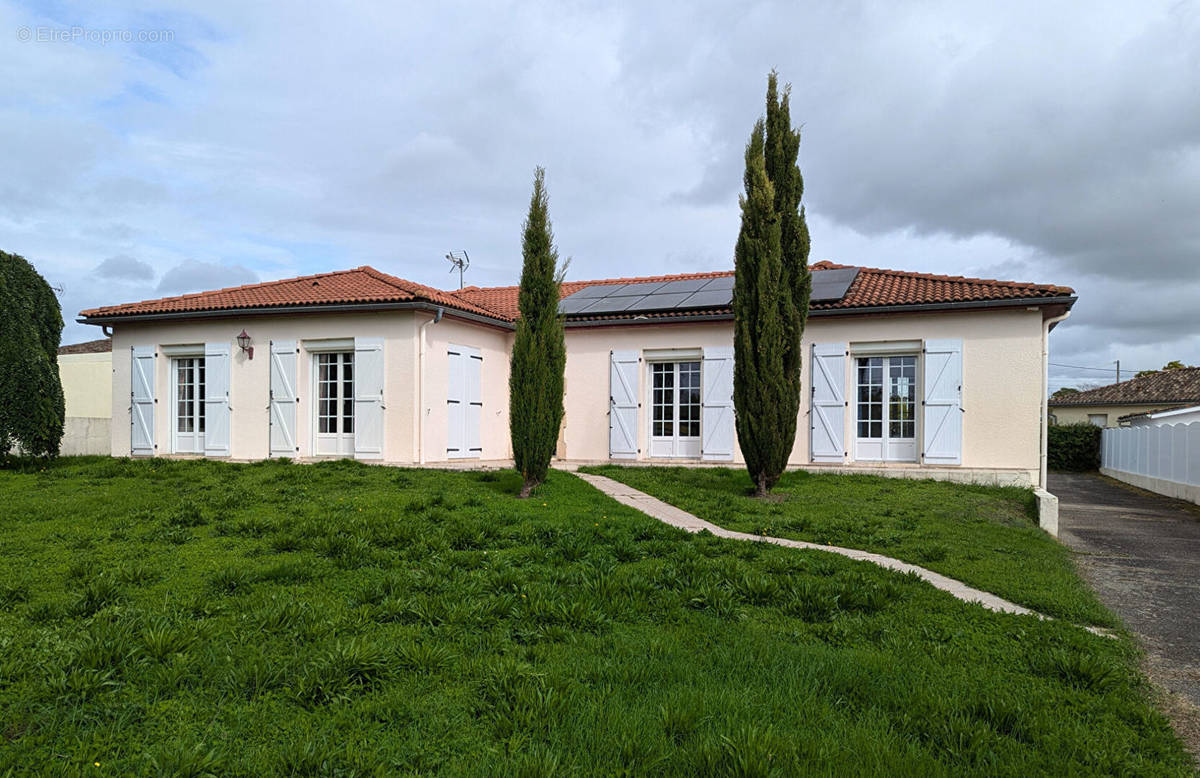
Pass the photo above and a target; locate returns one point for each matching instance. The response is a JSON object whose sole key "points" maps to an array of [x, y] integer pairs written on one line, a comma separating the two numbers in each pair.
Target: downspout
{"points": [[1045, 421], [437, 317]]}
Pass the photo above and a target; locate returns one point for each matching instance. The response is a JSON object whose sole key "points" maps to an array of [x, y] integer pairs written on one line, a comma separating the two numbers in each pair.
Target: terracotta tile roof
{"points": [[877, 287], [360, 285], [503, 299], [1166, 387], [101, 346], [873, 287]]}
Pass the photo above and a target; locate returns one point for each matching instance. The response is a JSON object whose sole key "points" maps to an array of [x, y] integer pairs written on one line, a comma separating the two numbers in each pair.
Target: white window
{"points": [[334, 426], [886, 408], [675, 402], [187, 400], [1098, 419]]}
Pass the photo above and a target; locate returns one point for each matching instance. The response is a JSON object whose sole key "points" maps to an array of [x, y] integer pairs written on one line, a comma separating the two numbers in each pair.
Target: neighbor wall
{"points": [[88, 398]]}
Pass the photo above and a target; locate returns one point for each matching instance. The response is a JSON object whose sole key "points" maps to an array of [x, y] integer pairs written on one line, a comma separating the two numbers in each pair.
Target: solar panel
{"points": [[709, 298], [721, 282], [686, 285], [574, 303], [685, 294], [830, 285], [659, 302]]}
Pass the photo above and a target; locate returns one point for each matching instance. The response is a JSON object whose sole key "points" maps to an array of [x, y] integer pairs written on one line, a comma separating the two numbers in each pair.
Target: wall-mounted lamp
{"points": [[244, 342]]}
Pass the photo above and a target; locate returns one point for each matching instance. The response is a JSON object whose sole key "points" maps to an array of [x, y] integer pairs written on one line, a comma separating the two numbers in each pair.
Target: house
{"points": [[85, 370], [1185, 415], [1103, 406], [905, 373]]}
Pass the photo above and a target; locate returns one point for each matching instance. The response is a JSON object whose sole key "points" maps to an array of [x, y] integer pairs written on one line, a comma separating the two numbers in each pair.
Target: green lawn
{"points": [[986, 536], [186, 618]]}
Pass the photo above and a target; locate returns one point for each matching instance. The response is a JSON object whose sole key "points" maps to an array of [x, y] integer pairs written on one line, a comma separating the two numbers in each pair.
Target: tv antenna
{"points": [[460, 261]]}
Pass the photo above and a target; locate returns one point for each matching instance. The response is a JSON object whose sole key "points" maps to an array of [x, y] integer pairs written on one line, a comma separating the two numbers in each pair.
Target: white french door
{"points": [[187, 401], [675, 400], [886, 400], [334, 423]]}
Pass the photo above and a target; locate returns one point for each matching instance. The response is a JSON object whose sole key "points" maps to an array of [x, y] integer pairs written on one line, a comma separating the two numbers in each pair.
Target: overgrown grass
{"points": [[986, 536], [195, 618]]}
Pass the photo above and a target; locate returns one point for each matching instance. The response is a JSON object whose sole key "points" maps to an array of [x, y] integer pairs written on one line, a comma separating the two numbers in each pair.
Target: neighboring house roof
{"points": [[872, 288], [101, 346], [1166, 387], [1159, 412]]}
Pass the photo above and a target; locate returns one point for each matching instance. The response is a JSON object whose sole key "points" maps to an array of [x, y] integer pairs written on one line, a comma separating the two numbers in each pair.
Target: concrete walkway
{"points": [[669, 514], [1141, 553]]}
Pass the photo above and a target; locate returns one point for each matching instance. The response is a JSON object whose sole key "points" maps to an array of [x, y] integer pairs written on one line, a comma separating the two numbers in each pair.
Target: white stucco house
{"points": [[906, 373]]}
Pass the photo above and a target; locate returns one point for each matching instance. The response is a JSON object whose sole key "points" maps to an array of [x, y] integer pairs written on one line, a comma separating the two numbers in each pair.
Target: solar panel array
{"points": [[690, 294]]}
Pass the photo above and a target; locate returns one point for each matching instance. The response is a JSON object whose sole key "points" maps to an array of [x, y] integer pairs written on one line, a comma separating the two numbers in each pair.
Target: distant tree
{"points": [[1064, 392], [770, 296], [1174, 364], [539, 353], [31, 395]]}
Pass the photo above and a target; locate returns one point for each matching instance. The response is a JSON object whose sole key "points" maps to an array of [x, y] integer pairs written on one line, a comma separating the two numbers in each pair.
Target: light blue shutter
{"points": [[284, 357], [717, 419], [368, 398], [827, 414], [942, 422], [216, 399], [474, 410], [456, 401], [141, 401], [623, 405]]}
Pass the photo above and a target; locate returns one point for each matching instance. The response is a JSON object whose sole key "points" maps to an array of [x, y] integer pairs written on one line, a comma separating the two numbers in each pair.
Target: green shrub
{"points": [[31, 395], [1073, 447]]}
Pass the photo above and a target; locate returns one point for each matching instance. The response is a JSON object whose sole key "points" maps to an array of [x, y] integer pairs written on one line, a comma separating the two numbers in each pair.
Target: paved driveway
{"points": [[1141, 553]]}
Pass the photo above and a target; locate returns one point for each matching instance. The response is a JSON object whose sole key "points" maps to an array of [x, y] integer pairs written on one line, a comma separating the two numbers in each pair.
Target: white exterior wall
{"points": [[1001, 397], [1079, 414], [1002, 379], [495, 345], [250, 378], [1179, 416]]}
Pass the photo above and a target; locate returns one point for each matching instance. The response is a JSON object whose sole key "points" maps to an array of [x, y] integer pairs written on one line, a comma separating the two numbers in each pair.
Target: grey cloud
{"points": [[125, 268], [194, 276], [1023, 139]]}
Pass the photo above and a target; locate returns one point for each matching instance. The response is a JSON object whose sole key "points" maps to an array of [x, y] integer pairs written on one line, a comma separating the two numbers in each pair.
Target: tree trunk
{"points": [[527, 488], [761, 489]]}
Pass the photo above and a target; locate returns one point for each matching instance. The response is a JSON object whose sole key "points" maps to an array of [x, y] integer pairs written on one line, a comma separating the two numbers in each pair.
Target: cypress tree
{"points": [[770, 296], [539, 355], [31, 395]]}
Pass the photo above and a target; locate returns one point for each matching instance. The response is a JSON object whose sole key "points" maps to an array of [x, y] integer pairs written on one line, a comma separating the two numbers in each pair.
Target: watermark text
{"points": [[79, 34]]}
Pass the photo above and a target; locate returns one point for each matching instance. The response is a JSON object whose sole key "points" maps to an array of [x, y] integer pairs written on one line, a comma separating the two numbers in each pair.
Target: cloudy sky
{"points": [[157, 150]]}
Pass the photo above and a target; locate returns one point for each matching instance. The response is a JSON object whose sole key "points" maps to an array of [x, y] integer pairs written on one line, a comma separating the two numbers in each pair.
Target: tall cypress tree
{"points": [[31, 395], [770, 296], [539, 355]]}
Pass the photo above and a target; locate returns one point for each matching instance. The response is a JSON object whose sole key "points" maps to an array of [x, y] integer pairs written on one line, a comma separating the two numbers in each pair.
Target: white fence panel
{"points": [[1165, 457]]}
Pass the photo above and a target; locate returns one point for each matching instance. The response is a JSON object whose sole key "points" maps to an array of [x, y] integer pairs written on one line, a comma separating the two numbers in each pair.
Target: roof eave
{"points": [[1024, 302], [226, 313], [1095, 403], [1015, 302]]}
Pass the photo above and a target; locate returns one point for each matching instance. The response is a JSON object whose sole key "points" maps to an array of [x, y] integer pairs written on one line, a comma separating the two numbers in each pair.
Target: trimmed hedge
{"points": [[1073, 446], [31, 395]]}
